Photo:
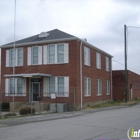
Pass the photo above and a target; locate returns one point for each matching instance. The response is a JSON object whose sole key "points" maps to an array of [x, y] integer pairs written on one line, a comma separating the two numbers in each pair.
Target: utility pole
{"points": [[125, 56]]}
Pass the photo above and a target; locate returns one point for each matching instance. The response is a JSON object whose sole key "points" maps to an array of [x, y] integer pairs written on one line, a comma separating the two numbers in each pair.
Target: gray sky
{"points": [[101, 22]]}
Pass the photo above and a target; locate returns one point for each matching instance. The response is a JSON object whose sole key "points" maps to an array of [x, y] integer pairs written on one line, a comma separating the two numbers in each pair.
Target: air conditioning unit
{"points": [[61, 107]]}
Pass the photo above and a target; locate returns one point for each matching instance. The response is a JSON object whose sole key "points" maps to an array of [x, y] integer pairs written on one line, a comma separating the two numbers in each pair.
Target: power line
{"points": [[132, 27], [123, 65]]}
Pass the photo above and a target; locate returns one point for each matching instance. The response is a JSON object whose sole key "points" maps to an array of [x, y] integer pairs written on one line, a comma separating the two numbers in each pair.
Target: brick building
{"points": [[55, 62], [118, 82]]}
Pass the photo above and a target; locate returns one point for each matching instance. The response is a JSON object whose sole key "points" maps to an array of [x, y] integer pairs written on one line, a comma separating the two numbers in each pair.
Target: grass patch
{"points": [[113, 103]]}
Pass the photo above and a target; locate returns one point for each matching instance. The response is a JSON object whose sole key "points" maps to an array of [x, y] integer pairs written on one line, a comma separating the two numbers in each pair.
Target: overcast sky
{"points": [[101, 22]]}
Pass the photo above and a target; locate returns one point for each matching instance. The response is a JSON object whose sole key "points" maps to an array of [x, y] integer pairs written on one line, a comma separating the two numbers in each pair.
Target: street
{"points": [[109, 124]]}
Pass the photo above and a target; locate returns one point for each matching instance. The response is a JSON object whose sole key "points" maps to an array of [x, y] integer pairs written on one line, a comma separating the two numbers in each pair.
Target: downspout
{"points": [[111, 81], [81, 76]]}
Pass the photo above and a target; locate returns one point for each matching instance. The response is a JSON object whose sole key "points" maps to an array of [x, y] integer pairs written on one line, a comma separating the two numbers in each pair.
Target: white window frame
{"points": [[107, 87], [98, 60], [86, 56], [56, 55], [47, 86], [87, 86], [107, 64], [99, 87], [30, 55], [15, 58], [15, 86]]}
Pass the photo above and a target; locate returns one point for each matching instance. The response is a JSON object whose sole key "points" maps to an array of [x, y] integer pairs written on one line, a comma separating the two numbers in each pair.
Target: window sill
{"points": [[99, 94], [16, 95], [107, 94], [87, 95]]}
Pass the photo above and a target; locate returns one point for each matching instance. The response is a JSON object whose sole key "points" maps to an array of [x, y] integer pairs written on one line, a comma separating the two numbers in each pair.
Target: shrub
{"points": [[10, 114], [26, 110], [5, 106]]}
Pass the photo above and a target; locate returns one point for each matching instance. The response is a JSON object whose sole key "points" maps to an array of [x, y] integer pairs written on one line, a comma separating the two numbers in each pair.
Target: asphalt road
{"points": [[108, 124]]}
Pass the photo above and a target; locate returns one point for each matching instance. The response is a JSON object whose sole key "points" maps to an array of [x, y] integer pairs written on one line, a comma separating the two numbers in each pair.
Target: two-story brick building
{"points": [[55, 62]]}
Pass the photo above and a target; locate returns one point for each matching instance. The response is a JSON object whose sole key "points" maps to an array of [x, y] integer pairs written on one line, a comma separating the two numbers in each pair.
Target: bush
{"points": [[10, 114], [5, 106], [26, 110]]}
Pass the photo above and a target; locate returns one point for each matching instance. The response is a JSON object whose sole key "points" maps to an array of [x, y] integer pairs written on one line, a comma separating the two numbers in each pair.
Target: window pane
{"points": [[12, 57], [86, 56], [89, 87], [107, 64], [60, 85], [12, 86], [20, 57], [52, 85], [19, 85], [60, 53], [35, 55], [51, 53]]}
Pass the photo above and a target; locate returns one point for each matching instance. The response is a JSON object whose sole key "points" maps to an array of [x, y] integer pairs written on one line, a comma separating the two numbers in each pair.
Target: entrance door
{"points": [[35, 90]]}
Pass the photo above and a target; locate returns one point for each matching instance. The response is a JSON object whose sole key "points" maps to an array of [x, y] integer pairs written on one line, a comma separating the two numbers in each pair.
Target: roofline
{"points": [[54, 40], [37, 42]]}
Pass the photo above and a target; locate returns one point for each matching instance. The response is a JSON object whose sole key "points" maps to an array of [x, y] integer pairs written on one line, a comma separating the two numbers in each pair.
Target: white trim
{"points": [[45, 87], [7, 58], [66, 53], [24, 86], [6, 85], [39, 55], [29, 60], [66, 86], [45, 54]]}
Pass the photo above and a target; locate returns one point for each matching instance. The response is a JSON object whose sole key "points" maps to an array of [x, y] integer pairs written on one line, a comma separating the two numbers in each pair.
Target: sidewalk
{"points": [[54, 116]]}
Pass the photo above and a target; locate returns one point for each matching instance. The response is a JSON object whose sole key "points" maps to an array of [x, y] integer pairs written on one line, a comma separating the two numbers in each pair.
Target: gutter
{"points": [[81, 76]]}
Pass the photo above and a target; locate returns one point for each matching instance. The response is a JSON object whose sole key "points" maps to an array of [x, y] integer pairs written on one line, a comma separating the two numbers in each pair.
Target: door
{"points": [[35, 91]]}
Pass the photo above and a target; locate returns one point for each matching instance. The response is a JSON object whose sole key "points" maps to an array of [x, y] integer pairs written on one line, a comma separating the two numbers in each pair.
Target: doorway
{"points": [[35, 90]]}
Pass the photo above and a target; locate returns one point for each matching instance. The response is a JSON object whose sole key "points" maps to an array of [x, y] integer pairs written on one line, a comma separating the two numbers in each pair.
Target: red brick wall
{"points": [[119, 84]]}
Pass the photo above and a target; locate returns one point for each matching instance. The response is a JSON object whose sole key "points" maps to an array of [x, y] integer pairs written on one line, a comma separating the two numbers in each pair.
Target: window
{"points": [[51, 50], [15, 85], [107, 87], [58, 85], [14, 57], [99, 87], [107, 64], [86, 56], [34, 55], [57, 53], [98, 60], [87, 87]]}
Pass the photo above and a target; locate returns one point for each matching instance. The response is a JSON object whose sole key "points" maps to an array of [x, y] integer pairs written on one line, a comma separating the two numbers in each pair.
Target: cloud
{"points": [[101, 22]]}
